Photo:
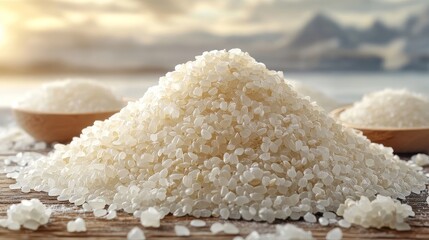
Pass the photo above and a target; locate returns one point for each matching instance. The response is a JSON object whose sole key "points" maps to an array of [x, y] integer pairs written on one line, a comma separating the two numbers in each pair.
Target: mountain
{"points": [[419, 25], [378, 33], [322, 44], [417, 45], [320, 28], [409, 24]]}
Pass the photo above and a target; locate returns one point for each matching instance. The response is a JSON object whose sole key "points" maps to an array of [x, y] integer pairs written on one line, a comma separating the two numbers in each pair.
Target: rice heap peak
{"points": [[221, 136]]}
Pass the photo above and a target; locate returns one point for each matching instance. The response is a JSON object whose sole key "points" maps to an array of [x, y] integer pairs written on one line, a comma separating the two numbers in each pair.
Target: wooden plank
{"points": [[99, 228]]}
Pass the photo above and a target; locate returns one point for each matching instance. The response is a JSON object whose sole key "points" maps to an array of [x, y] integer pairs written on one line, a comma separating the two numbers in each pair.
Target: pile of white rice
{"points": [[13, 138], [29, 213], [71, 96], [389, 108], [381, 212], [221, 136], [320, 98]]}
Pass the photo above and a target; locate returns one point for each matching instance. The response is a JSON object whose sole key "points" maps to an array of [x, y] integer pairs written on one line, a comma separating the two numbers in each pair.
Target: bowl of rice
{"points": [[396, 118], [58, 111]]}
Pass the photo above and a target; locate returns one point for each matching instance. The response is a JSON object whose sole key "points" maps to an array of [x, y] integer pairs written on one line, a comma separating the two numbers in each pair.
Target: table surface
{"points": [[99, 228]]}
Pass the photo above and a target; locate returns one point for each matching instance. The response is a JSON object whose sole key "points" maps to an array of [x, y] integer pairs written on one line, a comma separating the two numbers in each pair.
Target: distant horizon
{"points": [[137, 37], [137, 72], [343, 86]]}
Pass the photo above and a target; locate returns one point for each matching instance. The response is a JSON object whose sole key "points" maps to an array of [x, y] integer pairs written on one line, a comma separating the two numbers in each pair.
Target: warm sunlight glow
{"points": [[2, 35]]}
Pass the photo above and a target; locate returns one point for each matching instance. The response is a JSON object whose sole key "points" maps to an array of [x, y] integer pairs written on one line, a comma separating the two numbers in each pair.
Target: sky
{"points": [[30, 29]]}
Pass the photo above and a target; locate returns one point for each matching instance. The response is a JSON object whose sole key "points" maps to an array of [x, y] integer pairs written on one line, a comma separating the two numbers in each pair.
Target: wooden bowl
{"points": [[402, 140], [56, 127]]}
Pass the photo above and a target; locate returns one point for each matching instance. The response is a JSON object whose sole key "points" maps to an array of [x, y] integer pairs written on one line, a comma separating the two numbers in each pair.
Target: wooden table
{"points": [[99, 228]]}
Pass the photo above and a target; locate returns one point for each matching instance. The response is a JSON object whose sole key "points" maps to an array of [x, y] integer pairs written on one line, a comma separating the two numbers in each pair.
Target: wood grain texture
{"points": [[99, 228]]}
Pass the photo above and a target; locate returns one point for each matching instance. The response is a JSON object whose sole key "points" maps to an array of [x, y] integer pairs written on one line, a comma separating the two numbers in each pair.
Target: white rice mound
{"points": [[381, 212], [13, 138], [29, 214], [397, 108], [320, 98], [221, 136], [71, 96]]}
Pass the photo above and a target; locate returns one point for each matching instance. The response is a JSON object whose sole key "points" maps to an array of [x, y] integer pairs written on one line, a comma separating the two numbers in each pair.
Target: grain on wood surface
{"points": [[99, 228]]}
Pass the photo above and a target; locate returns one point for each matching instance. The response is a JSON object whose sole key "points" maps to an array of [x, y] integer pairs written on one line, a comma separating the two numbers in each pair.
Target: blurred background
{"points": [[342, 48]]}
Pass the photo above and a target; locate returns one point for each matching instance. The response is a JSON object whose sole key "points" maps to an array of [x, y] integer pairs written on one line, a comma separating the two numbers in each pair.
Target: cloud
{"points": [[166, 7], [292, 14], [160, 17], [139, 29]]}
